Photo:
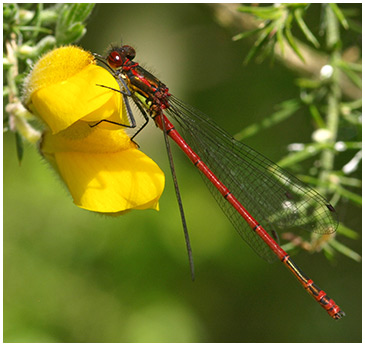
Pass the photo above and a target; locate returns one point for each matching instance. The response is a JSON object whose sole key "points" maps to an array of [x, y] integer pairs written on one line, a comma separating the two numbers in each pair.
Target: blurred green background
{"points": [[74, 276]]}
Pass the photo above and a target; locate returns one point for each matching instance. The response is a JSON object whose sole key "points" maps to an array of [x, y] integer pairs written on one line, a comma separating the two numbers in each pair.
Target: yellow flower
{"points": [[102, 168]]}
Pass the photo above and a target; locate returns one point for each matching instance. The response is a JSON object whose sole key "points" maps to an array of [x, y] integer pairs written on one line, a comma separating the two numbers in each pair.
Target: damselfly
{"points": [[247, 186]]}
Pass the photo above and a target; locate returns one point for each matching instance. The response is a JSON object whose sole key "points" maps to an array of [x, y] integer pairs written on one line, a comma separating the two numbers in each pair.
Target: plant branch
{"points": [[228, 17]]}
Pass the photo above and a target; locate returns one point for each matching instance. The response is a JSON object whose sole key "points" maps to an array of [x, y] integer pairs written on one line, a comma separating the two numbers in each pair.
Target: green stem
{"points": [[334, 95]]}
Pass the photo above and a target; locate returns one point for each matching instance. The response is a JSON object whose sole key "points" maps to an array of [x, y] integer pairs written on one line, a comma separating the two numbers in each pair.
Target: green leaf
{"points": [[266, 51], [355, 26], [311, 180], [347, 232], [269, 12], [307, 83], [34, 28], [280, 40], [354, 197], [354, 66], [316, 115], [82, 11], [339, 15], [70, 27], [5, 91], [345, 250], [308, 34], [292, 43], [353, 145], [350, 181], [246, 34], [354, 77], [309, 151], [332, 28], [45, 44], [259, 42], [10, 12], [75, 33], [286, 109], [328, 252], [49, 16], [37, 23], [356, 104]]}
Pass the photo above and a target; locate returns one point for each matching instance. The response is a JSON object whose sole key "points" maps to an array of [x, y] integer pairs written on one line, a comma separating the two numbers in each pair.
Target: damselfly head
{"points": [[120, 55], [129, 52]]}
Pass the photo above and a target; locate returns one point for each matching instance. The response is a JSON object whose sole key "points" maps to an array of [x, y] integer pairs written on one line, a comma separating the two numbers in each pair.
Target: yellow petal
{"points": [[111, 182], [62, 104], [56, 66], [103, 169], [80, 137]]}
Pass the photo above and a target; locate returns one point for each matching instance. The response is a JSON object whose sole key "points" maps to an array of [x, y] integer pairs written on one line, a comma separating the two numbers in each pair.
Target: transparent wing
{"points": [[274, 197]]}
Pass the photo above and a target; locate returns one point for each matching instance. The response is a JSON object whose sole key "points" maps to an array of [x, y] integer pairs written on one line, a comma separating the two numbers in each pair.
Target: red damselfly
{"points": [[247, 186]]}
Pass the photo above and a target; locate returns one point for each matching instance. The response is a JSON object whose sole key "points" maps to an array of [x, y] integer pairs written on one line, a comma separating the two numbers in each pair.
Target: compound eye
{"points": [[129, 51], [114, 59]]}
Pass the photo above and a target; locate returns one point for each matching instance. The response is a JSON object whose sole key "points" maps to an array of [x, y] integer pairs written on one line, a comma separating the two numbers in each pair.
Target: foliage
{"points": [[335, 112], [31, 30]]}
